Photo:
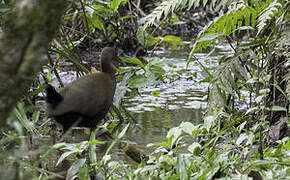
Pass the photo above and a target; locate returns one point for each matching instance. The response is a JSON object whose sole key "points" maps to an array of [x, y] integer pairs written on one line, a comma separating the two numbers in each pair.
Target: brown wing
{"points": [[86, 95]]}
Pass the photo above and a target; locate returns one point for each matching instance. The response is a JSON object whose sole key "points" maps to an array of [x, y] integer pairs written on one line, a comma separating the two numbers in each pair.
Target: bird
{"points": [[85, 101]]}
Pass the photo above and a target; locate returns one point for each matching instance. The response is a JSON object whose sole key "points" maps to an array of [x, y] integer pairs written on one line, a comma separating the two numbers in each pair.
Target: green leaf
{"points": [[35, 116], [208, 122], [241, 138], [259, 99], [74, 169], [132, 60], [123, 70], [175, 132], [37, 91], [173, 40], [64, 155], [209, 37], [190, 4], [127, 17], [97, 23], [155, 93], [95, 141], [121, 89], [244, 28], [280, 89], [254, 42], [71, 45], [287, 145], [150, 41], [124, 2], [196, 132], [84, 172], [122, 133], [163, 144], [114, 5], [278, 108], [264, 91], [241, 127], [158, 70], [254, 109], [141, 36], [252, 80], [194, 148], [187, 127], [59, 145], [139, 81]]}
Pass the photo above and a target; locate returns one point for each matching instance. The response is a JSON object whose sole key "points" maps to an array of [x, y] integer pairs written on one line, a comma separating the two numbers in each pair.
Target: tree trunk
{"points": [[28, 30]]}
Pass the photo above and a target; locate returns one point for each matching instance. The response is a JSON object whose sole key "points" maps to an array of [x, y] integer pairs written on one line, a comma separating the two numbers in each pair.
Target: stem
{"points": [[54, 69]]}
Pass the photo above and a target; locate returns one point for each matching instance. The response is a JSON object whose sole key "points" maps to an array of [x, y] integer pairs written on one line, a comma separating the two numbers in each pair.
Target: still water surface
{"points": [[182, 97]]}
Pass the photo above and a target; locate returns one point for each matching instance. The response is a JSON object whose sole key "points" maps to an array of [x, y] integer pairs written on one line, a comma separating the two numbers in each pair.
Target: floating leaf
{"points": [[155, 93]]}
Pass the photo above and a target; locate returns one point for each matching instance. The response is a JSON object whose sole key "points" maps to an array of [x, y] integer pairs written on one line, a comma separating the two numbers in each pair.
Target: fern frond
{"points": [[227, 24], [267, 14], [164, 8], [169, 6]]}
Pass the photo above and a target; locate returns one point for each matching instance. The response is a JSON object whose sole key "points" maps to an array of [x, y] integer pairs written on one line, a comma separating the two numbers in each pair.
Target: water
{"points": [[182, 97]]}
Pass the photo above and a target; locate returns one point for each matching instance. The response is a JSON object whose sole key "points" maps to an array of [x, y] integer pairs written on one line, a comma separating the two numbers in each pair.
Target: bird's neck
{"points": [[107, 68]]}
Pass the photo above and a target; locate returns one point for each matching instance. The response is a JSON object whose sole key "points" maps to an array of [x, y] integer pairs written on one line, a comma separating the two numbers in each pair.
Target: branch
{"points": [[23, 44]]}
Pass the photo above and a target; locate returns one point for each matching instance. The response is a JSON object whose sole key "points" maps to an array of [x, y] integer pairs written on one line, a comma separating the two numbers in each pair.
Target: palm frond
{"points": [[169, 6], [267, 14], [226, 25]]}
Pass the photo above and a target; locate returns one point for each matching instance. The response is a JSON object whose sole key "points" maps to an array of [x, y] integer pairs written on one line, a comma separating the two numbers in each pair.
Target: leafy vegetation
{"points": [[245, 130]]}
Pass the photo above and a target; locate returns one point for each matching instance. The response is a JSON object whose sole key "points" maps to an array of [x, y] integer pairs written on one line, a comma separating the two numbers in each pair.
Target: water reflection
{"points": [[153, 125], [181, 98]]}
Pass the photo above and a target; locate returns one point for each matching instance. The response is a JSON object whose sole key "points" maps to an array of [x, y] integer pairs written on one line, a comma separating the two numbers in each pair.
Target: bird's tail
{"points": [[52, 96]]}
